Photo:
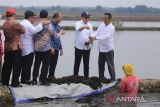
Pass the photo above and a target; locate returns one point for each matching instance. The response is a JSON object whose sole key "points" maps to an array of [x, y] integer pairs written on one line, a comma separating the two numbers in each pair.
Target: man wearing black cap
{"points": [[27, 44], [82, 43]]}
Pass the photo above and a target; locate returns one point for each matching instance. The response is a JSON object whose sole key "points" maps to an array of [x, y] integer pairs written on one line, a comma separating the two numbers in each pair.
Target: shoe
{"points": [[103, 78], [51, 79], [112, 80], [34, 82], [42, 82], [28, 82], [16, 86], [86, 78]]}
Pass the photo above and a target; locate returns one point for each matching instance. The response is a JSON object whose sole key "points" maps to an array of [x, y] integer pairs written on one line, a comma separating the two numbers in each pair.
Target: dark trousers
{"points": [[109, 58], [26, 65], [44, 58], [53, 64], [11, 62], [78, 56]]}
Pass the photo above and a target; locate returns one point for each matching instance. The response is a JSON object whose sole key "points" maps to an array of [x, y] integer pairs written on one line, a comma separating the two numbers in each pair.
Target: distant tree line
{"points": [[139, 9]]}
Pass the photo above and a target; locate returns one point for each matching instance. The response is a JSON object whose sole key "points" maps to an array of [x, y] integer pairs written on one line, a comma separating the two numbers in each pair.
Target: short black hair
{"points": [[55, 15], [43, 13], [109, 15], [28, 14]]}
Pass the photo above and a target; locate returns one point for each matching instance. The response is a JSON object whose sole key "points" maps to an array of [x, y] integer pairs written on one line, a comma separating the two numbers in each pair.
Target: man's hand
{"points": [[87, 27], [61, 52], [62, 32], [45, 22], [52, 51], [92, 38], [50, 30], [82, 28]]}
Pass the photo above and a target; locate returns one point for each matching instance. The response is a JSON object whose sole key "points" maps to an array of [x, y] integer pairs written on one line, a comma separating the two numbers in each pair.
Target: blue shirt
{"points": [[55, 40]]}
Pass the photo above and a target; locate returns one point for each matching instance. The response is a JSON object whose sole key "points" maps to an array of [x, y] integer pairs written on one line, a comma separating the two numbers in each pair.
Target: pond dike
{"points": [[122, 28], [146, 86], [118, 28]]}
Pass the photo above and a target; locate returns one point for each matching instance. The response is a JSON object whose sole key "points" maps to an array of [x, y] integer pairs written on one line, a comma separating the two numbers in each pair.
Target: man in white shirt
{"points": [[28, 45], [83, 29], [105, 37]]}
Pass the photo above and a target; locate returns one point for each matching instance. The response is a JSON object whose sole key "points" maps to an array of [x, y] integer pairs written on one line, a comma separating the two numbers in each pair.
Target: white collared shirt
{"points": [[81, 37], [27, 38], [105, 37]]}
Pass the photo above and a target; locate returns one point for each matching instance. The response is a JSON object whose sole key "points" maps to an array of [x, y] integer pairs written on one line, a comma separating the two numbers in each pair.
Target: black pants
{"points": [[53, 64], [78, 56], [109, 58], [11, 62], [26, 65], [43, 57]]}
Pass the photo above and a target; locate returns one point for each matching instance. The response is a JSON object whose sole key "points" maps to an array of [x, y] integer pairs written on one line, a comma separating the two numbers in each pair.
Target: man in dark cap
{"points": [[83, 44]]}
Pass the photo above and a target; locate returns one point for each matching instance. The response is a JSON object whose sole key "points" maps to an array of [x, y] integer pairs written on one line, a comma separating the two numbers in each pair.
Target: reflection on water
{"points": [[54, 103], [109, 99]]}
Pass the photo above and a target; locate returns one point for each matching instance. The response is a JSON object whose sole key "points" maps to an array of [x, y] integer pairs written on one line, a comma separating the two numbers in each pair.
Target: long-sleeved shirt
{"points": [[27, 38], [12, 31], [55, 40], [42, 40], [81, 37], [105, 37]]}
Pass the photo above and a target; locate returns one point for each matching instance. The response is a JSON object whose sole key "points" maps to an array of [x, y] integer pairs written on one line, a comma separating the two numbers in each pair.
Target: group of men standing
{"points": [[23, 41], [39, 41]]}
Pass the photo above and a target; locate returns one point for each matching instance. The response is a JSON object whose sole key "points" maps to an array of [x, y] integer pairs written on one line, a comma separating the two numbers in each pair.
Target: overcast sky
{"points": [[78, 3]]}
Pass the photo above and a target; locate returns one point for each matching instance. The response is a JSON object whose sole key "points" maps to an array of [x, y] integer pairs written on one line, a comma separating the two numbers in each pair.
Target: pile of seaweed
{"points": [[149, 86], [93, 82], [6, 98]]}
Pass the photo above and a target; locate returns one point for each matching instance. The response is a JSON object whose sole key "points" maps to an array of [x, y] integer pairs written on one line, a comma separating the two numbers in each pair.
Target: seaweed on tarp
{"points": [[93, 82], [6, 98]]}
